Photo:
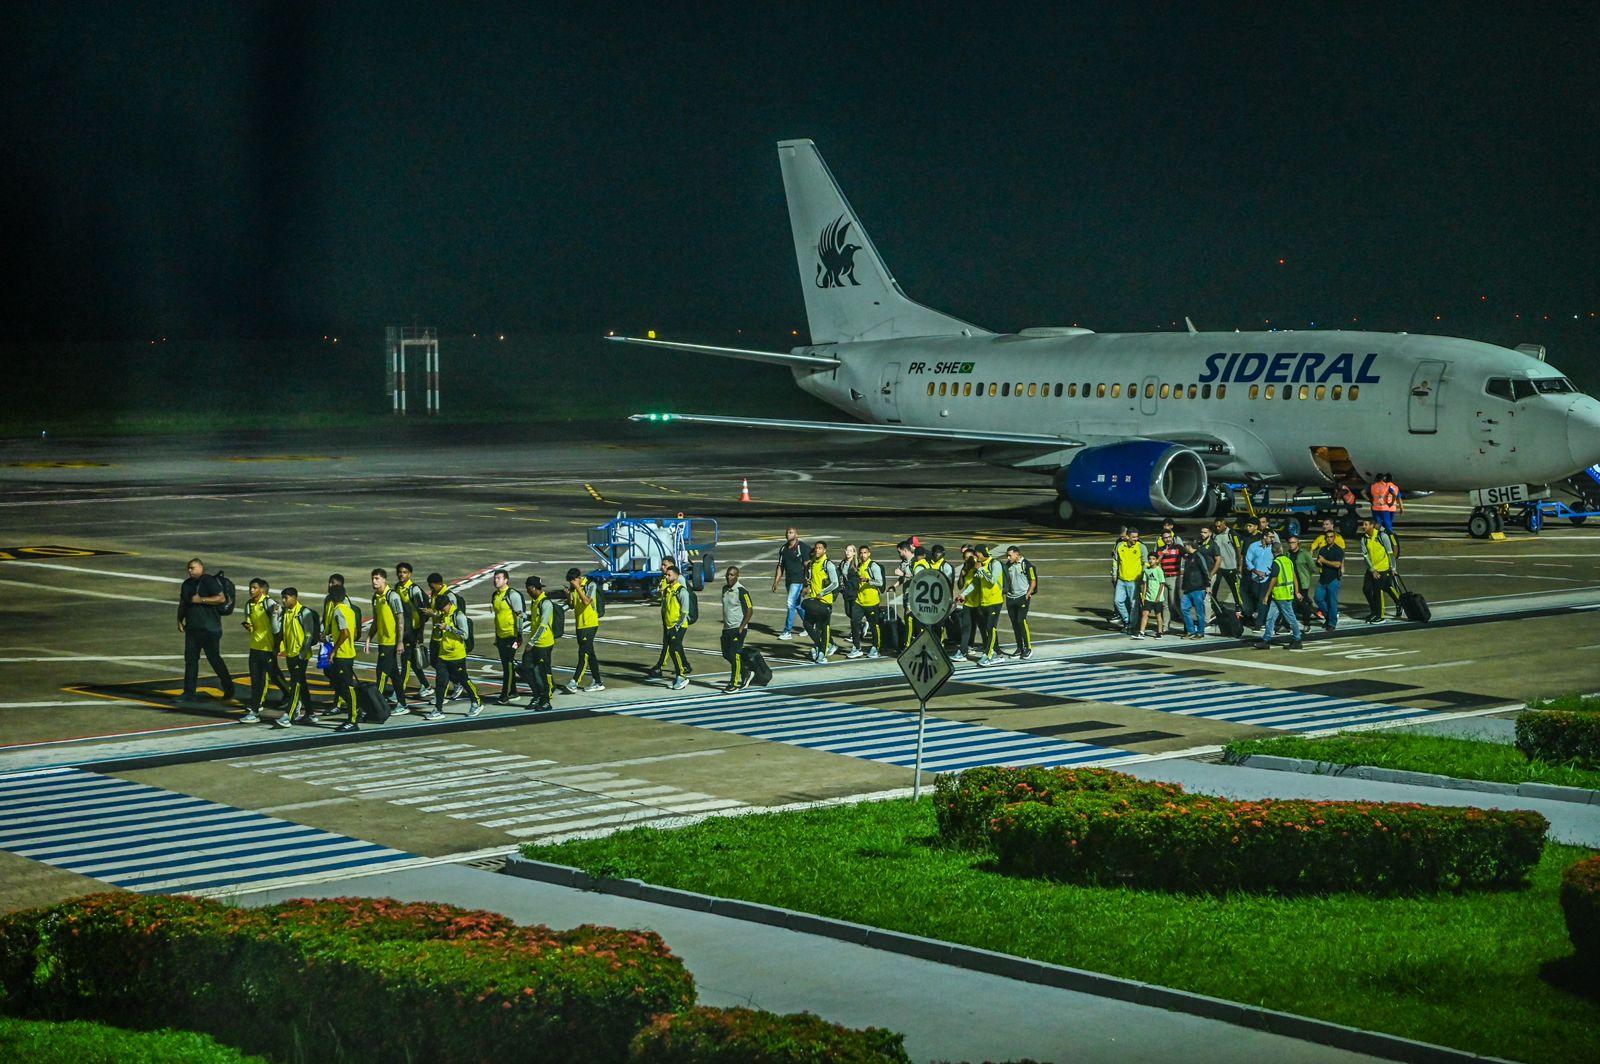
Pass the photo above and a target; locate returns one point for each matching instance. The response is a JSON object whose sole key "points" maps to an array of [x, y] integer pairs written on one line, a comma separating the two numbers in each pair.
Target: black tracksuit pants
{"points": [[264, 666]]}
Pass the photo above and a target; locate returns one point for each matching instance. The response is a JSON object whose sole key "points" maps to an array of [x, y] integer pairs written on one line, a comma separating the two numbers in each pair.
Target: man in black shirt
{"points": [[793, 557], [200, 622]]}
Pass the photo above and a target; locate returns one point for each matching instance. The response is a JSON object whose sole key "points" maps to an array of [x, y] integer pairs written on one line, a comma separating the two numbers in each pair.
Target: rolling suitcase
{"points": [[1230, 622], [373, 707], [755, 664], [1413, 605]]}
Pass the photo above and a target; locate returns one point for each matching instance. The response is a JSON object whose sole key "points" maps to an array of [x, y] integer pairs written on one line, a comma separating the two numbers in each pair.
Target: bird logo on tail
{"points": [[838, 255]]}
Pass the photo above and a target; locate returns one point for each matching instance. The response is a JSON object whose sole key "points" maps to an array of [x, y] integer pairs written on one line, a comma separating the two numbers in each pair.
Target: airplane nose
{"points": [[1583, 432]]}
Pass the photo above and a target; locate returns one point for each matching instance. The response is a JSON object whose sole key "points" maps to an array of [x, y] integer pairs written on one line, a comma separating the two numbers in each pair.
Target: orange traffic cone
{"points": [[744, 490]]}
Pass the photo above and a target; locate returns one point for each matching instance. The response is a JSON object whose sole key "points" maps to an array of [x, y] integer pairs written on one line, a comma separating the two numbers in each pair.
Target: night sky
{"points": [[243, 170]]}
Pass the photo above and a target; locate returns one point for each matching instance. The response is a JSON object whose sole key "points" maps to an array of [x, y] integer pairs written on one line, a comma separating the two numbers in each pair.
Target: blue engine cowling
{"points": [[1135, 477]]}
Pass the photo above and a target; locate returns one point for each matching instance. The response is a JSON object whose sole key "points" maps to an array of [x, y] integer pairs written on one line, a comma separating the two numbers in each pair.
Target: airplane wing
{"points": [[1027, 439], [779, 358]]}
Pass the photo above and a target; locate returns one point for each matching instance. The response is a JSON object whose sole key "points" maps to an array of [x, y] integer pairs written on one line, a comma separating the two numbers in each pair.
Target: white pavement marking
{"points": [[83, 591], [64, 656], [101, 572], [76, 702], [1303, 670]]}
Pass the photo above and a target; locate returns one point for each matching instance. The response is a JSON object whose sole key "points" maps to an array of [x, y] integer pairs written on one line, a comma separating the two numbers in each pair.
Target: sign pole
{"points": [[916, 779]]}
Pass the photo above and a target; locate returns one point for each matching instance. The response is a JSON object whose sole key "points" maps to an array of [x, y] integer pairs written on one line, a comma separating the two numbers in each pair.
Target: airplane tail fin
{"points": [[850, 293]]}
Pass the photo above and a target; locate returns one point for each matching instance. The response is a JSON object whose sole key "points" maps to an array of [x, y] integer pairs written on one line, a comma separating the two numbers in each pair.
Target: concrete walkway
{"points": [[945, 1012]]}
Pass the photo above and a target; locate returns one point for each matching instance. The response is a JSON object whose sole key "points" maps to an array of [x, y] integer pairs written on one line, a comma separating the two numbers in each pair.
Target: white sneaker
{"points": [[873, 653], [399, 711], [680, 683], [855, 652], [786, 634], [249, 717], [1026, 654], [598, 686], [425, 693], [1138, 635], [816, 656], [571, 687], [281, 722], [434, 714], [474, 709]]}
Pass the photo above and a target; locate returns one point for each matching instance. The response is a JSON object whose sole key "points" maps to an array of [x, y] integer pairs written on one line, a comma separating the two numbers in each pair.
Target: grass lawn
{"points": [[1471, 759], [1484, 972], [78, 1042]]}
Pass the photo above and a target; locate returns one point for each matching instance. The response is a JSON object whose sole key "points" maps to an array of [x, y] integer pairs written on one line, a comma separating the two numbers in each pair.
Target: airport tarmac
{"points": [[96, 533]]}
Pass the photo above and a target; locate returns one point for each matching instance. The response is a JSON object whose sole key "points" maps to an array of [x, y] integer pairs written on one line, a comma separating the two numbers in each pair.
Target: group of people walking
{"points": [[872, 596], [1269, 579], [421, 635]]}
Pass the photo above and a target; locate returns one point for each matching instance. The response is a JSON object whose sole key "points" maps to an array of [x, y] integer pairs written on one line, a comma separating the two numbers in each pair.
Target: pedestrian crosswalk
{"points": [[154, 841], [871, 734], [1237, 703], [523, 797]]}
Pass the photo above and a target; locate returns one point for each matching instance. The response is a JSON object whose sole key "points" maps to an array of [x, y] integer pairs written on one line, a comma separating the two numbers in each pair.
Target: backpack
{"points": [[311, 621], [558, 620], [229, 593], [694, 605], [597, 592], [468, 635]]}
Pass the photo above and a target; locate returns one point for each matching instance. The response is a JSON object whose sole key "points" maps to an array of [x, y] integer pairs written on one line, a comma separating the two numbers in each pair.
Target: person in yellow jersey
{"points": [[869, 601], [340, 634], [386, 632], [454, 628], [586, 624], [816, 603], [510, 625], [1379, 552], [655, 672], [302, 631], [439, 595], [411, 660], [263, 620], [991, 584], [675, 622], [1128, 561], [539, 645]]}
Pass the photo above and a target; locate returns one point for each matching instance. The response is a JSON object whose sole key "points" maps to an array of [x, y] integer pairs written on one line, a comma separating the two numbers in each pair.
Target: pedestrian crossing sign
{"points": [[925, 664]]}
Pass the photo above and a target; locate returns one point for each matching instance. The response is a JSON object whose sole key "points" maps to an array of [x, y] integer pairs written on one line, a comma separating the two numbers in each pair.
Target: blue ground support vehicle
{"points": [[632, 551], [1583, 487]]}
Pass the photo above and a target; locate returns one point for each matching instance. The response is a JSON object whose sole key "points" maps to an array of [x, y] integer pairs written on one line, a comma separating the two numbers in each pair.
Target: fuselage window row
{"points": [[1151, 391]]}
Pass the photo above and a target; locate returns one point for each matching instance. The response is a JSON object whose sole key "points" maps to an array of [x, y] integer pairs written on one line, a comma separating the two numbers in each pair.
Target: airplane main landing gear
{"points": [[1064, 510]]}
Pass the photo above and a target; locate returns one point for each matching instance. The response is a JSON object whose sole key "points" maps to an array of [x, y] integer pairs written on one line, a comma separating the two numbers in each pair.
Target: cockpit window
{"points": [[1516, 389]]}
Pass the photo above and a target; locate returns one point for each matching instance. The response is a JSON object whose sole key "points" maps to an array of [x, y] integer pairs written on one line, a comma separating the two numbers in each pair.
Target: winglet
{"points": [[1190, 323]]}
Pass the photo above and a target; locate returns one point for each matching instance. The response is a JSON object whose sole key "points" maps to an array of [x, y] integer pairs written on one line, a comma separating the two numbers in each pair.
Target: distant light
{"points": [[1517, 316], [611, 332], [1483, 299], [335, 339], [1436, 317], [502, 336], [651, 335], [1281, 262], [794, 332]]}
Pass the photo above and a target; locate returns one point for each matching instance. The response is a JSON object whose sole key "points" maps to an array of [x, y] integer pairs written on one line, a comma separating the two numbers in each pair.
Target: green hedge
{"points": [[966, 803], [80, 1042], [1562, 735], [1580, 904], [343, 979], [1080, 827], [746, 1036]]}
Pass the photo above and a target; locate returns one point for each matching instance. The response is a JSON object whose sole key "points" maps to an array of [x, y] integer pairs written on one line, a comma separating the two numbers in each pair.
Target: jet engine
{"points": [[1133, 478]]}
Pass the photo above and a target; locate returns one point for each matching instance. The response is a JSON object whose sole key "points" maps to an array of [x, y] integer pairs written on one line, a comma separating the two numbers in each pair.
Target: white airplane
{"points": [[1147, 423]]}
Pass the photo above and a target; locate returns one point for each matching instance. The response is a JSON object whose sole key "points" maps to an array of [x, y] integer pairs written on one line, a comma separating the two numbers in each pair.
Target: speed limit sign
{"points": [[929, 597]]}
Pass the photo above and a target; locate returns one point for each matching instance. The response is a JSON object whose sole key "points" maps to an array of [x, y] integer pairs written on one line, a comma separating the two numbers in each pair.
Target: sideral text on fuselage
{"points": [[1288, 367]]}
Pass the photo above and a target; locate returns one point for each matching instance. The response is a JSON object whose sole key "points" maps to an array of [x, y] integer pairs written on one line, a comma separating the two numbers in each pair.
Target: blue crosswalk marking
{"points": [[871, 734], [1237, 703], [153, 841]]}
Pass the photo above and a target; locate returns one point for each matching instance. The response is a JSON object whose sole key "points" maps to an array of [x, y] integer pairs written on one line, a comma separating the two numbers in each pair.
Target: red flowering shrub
{"points": [[746, 1036], [1580, 904], [1080, 826], [340, 980]]}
